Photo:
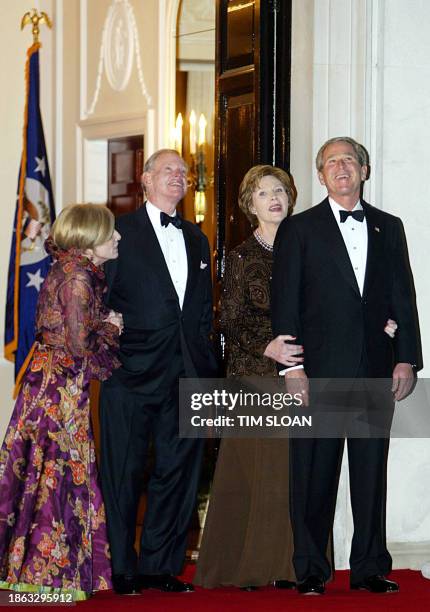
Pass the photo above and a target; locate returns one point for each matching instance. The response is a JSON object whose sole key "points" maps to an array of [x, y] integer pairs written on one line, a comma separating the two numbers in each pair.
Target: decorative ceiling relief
{"points": [[118, 49]]}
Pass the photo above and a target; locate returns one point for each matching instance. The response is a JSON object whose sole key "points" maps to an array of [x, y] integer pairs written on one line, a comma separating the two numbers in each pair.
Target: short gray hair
{"points": [[361, 152], [149, 164]]}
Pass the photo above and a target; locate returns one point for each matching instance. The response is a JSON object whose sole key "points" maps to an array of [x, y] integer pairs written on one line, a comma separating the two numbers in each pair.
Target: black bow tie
{"points": [[165, 219], [358, 215]]}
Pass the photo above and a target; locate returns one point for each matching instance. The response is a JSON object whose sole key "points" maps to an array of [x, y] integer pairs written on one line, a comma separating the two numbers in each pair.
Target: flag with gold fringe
{"points": [[35, 212]]}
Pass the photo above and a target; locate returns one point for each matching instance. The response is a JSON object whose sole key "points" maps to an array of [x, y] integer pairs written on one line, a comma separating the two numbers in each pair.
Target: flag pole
{"points": [[33, 268], [35, 19]]}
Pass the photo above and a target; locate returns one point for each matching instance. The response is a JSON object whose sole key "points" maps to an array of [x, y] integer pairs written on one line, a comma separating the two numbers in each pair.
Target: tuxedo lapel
{"points": [[328, 228], [152, 255], [192, 245], [374, 244]]}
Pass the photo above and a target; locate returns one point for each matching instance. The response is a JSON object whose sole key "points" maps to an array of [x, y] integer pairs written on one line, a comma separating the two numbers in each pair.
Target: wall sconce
{"points": [[198, 172]]}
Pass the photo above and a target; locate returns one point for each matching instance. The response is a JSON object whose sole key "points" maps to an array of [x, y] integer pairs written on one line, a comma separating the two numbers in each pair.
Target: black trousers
{"points": [[128, 421], [314, 476]]}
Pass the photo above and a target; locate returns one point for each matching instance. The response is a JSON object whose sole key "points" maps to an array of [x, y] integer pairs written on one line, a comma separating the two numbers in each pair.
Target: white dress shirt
{"points": [[354, 234], [172, 244]]}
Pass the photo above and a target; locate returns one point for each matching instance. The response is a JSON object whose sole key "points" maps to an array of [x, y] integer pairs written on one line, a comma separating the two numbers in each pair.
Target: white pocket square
{"points": [[203, 265]]}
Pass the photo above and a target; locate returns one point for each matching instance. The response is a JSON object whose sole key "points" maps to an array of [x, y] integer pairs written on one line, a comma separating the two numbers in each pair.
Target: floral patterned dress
{"points": [[52, 518]]}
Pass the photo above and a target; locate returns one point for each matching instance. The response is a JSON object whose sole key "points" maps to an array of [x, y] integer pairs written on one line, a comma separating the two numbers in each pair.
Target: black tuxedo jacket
{"points": [[315, 295], [140, 287]]}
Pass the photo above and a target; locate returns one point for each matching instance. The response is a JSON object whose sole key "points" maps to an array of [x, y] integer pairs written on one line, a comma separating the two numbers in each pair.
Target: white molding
{"points": [[117, 125], [149, 143], [197, 65], [59, 84], [320, 106], [406, 555], [118, 79], [168, 14], [83, 73], [87, 109], [374, 124], [79, 164], [339, 79], [143, 87], [409, 555], [112, 127]]}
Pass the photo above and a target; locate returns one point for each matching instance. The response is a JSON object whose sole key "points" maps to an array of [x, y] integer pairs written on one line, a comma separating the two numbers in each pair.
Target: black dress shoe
{"points": [[125, 585], [284, 584], [376, 584], [164, 582], [313, 585]]}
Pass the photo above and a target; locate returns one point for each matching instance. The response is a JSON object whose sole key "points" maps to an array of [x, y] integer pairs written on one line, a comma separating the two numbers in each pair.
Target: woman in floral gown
{"points": [[52, 517]]}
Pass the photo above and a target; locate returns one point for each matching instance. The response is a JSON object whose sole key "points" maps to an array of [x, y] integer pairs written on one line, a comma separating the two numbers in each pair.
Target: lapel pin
{"points": [[203, 265], [377, 229]]}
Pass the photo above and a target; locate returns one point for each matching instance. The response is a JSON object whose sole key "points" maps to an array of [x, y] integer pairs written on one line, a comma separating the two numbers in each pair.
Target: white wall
{"points": [[362, 68], [302, 68], [79, 104]]}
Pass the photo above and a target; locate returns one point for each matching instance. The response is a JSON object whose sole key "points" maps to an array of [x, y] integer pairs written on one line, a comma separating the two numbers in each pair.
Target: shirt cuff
{"points": [[297, 367]]}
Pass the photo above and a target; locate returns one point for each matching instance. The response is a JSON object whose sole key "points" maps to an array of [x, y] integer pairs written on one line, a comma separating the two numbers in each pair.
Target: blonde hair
{"points": [[251, 182], [83, 226]]}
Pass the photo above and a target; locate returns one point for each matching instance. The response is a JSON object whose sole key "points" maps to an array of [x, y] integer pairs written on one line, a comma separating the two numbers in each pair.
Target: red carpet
{"points": [[414, 596]]}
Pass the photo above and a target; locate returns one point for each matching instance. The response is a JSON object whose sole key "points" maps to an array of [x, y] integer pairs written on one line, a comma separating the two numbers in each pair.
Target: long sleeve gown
{"points": [[247, 538], [52, 517]]}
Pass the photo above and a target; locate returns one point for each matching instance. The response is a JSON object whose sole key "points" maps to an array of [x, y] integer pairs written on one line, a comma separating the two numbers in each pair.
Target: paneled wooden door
{"points": [[253, 64], [125, 166]]}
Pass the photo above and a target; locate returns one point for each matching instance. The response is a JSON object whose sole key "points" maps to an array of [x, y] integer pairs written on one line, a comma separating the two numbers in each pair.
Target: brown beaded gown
{"points": [[247, 538]]}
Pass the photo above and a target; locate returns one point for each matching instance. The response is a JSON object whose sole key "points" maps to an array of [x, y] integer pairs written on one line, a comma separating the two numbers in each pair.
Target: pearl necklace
{"points": [[262, 242]]}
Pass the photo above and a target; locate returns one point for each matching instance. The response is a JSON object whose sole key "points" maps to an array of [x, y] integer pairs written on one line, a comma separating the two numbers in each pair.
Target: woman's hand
{"points": [[390, 328], [116, 319], [284, 352]]}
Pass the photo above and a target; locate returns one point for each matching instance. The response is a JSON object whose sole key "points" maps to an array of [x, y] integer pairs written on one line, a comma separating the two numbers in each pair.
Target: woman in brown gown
{"points": [[247, 540]]}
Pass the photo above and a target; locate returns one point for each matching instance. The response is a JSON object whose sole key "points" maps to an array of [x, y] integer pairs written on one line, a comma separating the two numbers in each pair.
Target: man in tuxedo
{"points": [[341, 269], [161, 283]]}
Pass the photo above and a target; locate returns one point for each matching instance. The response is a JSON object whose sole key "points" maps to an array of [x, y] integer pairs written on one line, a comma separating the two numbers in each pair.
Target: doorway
{"points": [[125, 167]]}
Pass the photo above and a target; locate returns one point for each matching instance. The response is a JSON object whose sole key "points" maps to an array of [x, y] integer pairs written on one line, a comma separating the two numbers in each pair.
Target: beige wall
{"points": [[72, 77], [94, 107], [13, 47]]}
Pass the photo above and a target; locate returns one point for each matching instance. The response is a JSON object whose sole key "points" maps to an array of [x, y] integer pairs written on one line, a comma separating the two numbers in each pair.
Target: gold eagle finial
{"points": [[36, 19]]}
